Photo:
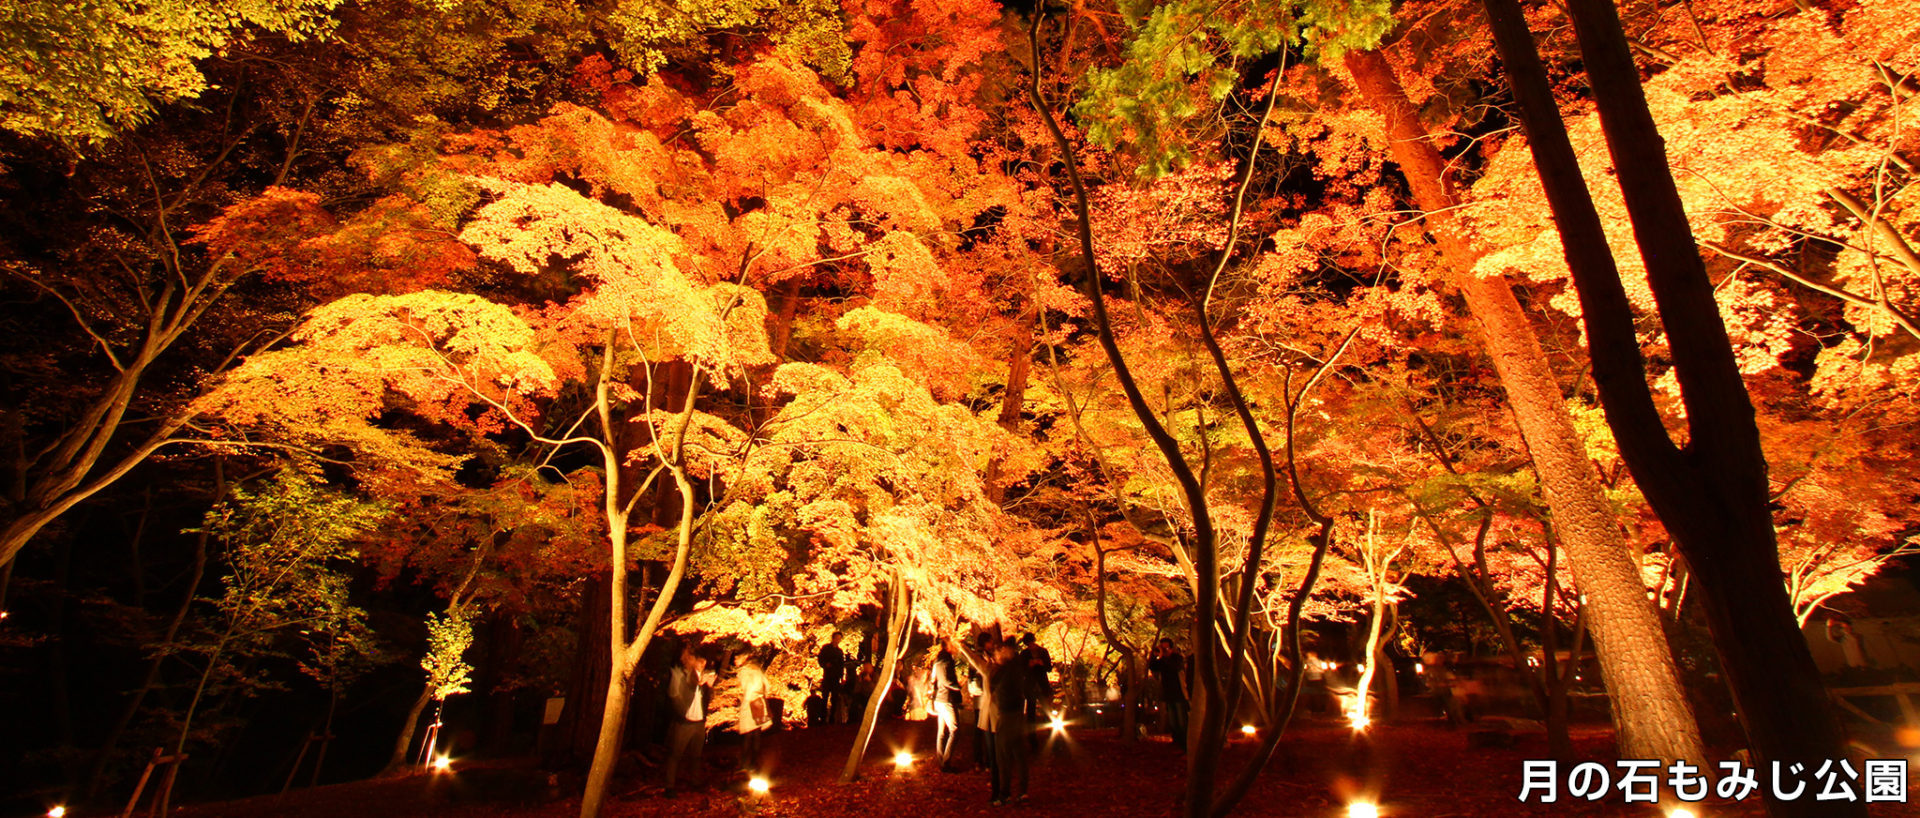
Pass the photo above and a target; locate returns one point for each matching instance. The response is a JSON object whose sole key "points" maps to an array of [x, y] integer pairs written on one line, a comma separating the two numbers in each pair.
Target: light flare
{"points": [[1362, 809], [903, 759], [759, 785], [1681, 812], [57, 812], [1248, 729], [443, 764], [1058, 724]]}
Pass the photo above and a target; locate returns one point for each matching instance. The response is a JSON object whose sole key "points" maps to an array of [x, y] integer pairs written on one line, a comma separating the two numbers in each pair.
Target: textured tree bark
{"points": [[588, 683], [1713, 494], [1650, 707]]}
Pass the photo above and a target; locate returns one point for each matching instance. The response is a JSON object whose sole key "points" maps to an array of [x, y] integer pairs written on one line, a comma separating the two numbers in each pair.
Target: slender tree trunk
{"points": [[96, 779], [404, 743], [626, 652], [326, 736], [1130, 694], [1712, 495], [1019, 364], [1650, 710], [899, 607]]}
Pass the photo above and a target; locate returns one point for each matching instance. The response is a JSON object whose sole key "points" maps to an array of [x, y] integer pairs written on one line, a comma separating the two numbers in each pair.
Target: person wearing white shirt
{"points": [[754, 720], [689, 689]]}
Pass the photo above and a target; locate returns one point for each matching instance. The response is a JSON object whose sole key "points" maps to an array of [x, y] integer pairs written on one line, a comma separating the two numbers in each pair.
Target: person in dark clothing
{"points": [[1009, 680], [982, 740], [689, 690], [945, 705], [1039, 691], [833, 662], [1168, 666], [816, 708]]}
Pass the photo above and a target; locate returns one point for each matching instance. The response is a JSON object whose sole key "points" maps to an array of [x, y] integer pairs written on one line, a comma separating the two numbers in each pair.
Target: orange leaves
{"points": [[393, 246], [1177, 216]]}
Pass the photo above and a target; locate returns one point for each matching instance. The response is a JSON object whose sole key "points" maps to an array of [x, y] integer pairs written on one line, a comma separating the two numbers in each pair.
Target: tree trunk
{"points": [[1130, 690], [503, 647], [401, 745], [899, 606], [1712, 495], [1013, 404], [586, 689], [1651, 713], [625, 652], [96, 779]]}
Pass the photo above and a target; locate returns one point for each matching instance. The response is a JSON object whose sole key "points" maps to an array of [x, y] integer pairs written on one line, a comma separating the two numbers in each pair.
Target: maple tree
{"points": [[789, 323]]}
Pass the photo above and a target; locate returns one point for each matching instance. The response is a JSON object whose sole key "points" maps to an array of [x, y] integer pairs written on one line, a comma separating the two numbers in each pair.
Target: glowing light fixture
{"points": [[57, 812], [443, 764], [759, 785], [1680, 812], [903, 759], [1362, 809], [1058, 724], [1419, 667], [1248, 729]]}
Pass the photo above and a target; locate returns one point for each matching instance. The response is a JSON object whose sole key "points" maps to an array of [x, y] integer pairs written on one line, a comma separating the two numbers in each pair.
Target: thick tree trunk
{"points": [[1712, 495], [898, 607], [586, 688], [503, 649], [1650, 710]]}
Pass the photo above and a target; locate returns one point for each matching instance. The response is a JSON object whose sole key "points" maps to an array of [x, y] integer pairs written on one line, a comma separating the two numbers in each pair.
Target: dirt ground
{"points": [[1408, 769]]}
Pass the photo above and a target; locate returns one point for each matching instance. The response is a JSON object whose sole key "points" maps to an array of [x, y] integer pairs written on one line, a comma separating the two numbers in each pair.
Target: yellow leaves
{"points": [[638, 291], [881, 337], [781, 626]]}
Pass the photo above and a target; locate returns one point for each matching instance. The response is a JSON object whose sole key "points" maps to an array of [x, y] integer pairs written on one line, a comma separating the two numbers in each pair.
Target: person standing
{"points": [[1039, 690], [833, 663], [1009, 681], [986, 748], [945, 706], [754, 720], [1168, 666], [689, 689]]}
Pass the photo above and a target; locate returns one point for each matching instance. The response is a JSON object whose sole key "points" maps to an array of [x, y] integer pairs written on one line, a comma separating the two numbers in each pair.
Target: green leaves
{"points": [[1186, 57], [88, 69], [448, 638]]}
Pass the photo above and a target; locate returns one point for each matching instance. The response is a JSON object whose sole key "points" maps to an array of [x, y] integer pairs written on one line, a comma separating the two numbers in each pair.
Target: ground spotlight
{"points": [[1248, 729], [1681, 812], [903, 759], [1058, 724], [57, 812], [1362, 809], [443, 764], [759, 785]]}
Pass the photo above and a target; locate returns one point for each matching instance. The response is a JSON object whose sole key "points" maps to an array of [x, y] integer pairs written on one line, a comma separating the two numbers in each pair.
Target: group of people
{"points": [[689, 700], [1011, 697], [1003, 690]]}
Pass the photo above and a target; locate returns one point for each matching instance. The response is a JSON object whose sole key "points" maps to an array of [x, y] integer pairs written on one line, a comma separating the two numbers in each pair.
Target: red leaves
{"points": [[394, 246]]}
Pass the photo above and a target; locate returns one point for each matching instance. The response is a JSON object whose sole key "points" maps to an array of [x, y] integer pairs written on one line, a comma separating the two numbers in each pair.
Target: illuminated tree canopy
{"points": [[486, 349]]}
